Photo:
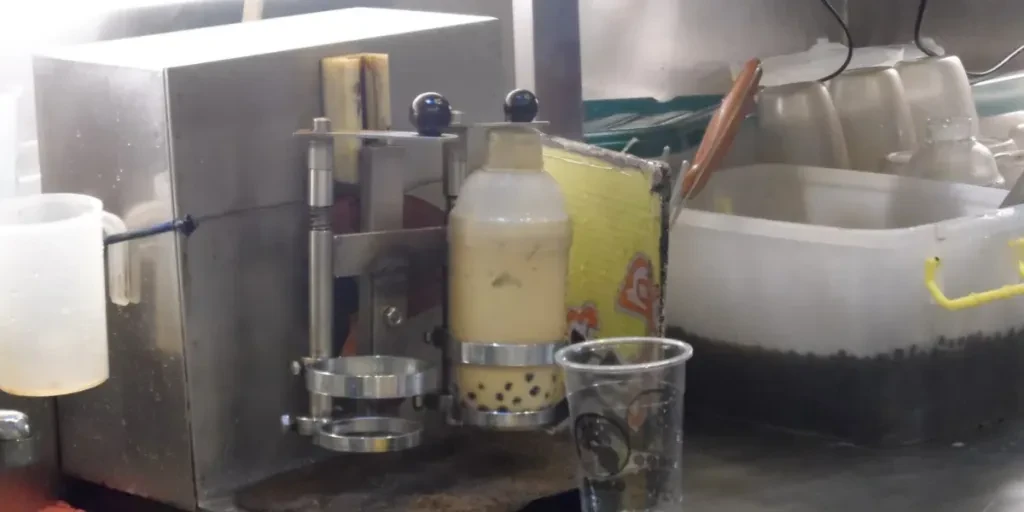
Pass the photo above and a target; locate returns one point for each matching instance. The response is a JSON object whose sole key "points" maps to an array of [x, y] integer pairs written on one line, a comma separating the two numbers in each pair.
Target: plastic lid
{"points": [[821, 59], [823, 45], [912, 52], [948, 129], [513, 187], [514, 148]]}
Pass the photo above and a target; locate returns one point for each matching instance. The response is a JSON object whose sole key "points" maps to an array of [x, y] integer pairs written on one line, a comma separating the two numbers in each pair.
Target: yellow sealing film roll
{"points": [[619, 234]]}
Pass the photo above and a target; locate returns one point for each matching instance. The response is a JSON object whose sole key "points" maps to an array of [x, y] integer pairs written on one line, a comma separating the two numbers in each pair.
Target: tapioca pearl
{"points": [[499, 397], [495, 379], [508, 386], [471, 396], [529, 377], [534, 391]]}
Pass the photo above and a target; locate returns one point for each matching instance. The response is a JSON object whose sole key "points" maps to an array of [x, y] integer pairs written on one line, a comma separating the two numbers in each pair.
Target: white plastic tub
{"points": [[806, 286]]}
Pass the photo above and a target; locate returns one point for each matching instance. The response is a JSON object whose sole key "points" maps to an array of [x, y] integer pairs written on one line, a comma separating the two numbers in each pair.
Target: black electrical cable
{"points": [[921, 7], [849, 41]]}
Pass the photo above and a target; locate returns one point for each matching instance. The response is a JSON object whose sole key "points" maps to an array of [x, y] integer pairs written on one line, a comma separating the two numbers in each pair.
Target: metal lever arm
{"points": [[381, 135]]}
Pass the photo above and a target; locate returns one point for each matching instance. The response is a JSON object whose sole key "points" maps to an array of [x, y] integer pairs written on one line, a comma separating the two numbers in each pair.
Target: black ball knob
{"points": [[431, 114], [521, 106]]}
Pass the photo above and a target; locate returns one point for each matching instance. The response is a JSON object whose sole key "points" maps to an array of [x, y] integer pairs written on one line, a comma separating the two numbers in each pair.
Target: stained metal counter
{"points": [[728, 468], [737, 470]]}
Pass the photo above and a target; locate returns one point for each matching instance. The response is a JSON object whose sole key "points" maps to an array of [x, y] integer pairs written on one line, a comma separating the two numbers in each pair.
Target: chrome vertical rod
{"points": [[454, 164], [453, 173], [321, 244]]}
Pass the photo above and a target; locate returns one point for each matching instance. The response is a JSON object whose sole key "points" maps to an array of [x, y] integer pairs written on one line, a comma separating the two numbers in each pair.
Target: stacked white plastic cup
{"points": [[8, 143]]}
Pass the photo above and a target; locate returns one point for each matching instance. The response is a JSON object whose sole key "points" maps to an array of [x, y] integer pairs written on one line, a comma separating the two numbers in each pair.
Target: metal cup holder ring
{"points": [[369, 434], [507, 355], [373, 377], [522, 420]]}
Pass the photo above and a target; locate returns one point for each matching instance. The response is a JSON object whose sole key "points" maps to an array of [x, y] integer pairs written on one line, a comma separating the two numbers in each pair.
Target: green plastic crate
{"points": [[678, 123]]}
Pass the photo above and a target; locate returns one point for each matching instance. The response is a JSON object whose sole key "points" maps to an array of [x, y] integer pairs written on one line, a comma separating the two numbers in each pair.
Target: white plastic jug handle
{"points": [[123, 291]]}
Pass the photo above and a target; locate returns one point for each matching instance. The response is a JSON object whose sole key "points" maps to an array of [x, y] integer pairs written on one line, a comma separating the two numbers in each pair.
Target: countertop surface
{"points": [[738, 470], [728, 468], [475, 472]]}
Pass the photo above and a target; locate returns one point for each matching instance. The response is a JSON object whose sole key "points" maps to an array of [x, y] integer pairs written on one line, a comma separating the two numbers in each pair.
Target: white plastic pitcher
{"points": [[53, 311]]}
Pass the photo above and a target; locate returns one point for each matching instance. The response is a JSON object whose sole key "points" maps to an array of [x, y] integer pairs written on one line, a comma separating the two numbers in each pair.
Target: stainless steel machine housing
{"points": [[382, 375], [200, 122]]}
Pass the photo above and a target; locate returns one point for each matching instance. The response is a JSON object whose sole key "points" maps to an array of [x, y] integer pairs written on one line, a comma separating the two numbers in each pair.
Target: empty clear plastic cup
{"points": [[626, 403]]}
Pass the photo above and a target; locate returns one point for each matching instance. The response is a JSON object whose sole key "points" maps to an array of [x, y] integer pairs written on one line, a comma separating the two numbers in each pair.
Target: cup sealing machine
{"points": [[375, 385]]}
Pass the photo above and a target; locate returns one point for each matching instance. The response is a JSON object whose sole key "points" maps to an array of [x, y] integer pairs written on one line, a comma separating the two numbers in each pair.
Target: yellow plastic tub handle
{"points": [[931, 268]]}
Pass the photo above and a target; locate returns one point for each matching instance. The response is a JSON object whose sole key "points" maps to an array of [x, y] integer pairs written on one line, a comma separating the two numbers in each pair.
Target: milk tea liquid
{"points": [[508, 240]]}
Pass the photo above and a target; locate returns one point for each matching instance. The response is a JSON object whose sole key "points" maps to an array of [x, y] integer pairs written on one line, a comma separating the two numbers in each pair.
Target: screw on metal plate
{"points": [[393, 316], [296, 368], [436, 337]]}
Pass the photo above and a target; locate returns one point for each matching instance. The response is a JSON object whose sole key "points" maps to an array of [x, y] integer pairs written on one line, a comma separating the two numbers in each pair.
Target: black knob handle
{"points": [[521, 106], [431, 114]]}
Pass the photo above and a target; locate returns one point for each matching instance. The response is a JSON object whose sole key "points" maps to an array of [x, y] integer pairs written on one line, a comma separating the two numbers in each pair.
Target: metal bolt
{"points": [[321, 125], [296, 368], [14, 425], [288, 423], [436, 337], [393, 316]]}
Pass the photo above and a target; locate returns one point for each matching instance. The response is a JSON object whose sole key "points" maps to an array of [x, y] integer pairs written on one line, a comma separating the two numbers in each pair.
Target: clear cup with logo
{"points": [[625, 400]]}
